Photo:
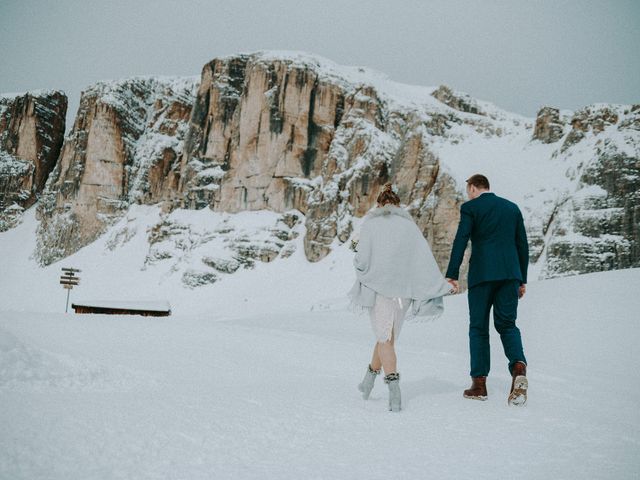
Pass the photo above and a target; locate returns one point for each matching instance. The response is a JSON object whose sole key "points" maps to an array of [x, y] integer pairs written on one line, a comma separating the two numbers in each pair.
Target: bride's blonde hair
{"points": [[388, 196]]}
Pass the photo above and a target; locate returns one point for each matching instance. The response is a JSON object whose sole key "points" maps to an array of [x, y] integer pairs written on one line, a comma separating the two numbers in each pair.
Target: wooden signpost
{"points": [[68, 280]]}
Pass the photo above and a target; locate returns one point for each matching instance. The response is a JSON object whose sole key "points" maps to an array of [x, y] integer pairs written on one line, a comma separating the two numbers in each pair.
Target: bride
{"points": [[395, 273]]}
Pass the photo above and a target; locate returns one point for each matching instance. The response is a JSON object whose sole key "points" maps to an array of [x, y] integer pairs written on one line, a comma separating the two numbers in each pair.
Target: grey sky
{"points": [[518, 54]]}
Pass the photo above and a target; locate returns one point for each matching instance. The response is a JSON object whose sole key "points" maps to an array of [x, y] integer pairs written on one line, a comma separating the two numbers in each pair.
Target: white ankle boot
{"points": [[367, 382], [393, 381]]}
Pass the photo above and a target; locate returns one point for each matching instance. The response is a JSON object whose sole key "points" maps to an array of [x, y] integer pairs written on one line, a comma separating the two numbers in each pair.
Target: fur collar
{"points": [[389, 209]]}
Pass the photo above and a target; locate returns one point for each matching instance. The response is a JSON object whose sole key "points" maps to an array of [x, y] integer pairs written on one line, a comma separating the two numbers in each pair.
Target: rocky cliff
{"points": [[308, 139], [31, 133], [595, 225], [263, 132], [122, 149], [296, 132]]}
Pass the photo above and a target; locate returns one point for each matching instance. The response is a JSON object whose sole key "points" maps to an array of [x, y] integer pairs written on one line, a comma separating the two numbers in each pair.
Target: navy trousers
{"points": [[502, 295]]}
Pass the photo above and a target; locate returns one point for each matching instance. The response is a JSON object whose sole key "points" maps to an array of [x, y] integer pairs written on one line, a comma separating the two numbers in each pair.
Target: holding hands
{"points": [[455, 287]]}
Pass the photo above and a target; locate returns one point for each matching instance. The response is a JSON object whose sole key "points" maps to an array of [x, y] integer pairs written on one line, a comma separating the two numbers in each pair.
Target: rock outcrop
{"points": [[594, 118], [31, 133], [223, 243], [461, 102], [123, 149], [549, 126], [291, 133], [597, 227]]}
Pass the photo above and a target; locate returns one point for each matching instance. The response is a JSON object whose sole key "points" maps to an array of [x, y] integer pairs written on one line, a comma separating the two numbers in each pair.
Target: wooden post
{"points": [[66, 308], [68, 280]]}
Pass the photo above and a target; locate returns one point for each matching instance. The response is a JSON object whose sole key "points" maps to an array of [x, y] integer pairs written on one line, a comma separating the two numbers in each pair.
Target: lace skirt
{"points": [[387, 315]]}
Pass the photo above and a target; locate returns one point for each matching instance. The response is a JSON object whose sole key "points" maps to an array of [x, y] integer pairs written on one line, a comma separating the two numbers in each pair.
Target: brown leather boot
{"points": [[519, 385], [478, 389]]}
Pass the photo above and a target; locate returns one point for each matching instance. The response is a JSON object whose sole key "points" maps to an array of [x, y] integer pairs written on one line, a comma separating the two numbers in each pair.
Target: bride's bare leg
{"points": [[376, 363], [387, 354]]}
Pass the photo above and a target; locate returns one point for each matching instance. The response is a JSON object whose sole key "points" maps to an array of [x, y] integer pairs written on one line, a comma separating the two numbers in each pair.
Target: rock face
{"points": [[300, 135], [597, 228], [593, 119], [264, 132], [292, 133], [122, 149], [549, 126], [461, 102], [255, 126], [31, 133]]}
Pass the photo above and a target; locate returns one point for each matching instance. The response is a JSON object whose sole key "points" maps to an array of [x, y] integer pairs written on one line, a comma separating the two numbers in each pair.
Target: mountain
{"points": [[122, 149], [313, 142], [31, 132]]}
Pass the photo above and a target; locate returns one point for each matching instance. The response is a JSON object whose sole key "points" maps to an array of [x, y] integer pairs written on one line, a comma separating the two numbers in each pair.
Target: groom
{"points": [[497, 278]]}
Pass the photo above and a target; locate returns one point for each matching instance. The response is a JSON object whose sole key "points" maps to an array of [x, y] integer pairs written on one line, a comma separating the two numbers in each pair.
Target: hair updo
{"points": [[388, 196]]}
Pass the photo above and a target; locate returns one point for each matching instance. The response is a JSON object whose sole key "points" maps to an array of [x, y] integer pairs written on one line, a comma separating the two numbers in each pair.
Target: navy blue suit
{"points": [[497, 268]]}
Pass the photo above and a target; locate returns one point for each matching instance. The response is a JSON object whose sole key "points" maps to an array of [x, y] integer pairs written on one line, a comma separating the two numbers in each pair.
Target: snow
{"points": [[515, 166], [34, 93], [12, 166], [116, 263], [255, 376], [254, 373], [354, 77]]}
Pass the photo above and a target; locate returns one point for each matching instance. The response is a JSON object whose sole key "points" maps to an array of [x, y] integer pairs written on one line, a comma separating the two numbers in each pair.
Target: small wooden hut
{"points": [[115, 307]]}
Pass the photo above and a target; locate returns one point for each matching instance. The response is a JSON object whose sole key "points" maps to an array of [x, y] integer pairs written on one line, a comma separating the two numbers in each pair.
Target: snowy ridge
{"points": [[34, 93], [354, 77]]}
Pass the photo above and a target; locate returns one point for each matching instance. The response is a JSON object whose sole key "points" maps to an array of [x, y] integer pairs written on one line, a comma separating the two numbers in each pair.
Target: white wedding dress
{"points": [[387, 315]]}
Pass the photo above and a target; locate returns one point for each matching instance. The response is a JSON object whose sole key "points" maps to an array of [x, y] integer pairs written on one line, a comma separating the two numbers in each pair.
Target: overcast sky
{"points": [[519, 55]]}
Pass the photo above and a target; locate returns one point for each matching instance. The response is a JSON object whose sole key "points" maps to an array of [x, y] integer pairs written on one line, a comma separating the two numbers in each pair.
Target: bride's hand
{"points": [[454, 284]]}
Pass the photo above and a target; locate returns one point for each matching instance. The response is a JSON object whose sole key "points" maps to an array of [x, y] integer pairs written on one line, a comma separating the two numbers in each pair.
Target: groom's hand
{"points": [[522, 290], [454, 284]]}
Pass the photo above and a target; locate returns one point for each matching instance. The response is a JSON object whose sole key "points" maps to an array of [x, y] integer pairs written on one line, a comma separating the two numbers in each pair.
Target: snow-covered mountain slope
{"points": [[284, 131], [272, 394], [200, 261]]}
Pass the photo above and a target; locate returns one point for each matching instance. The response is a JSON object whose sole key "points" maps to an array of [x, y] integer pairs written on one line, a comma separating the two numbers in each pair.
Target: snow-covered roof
{"points": [[155, 306]]}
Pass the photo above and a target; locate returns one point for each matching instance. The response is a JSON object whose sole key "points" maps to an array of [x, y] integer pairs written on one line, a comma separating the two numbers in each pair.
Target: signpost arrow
{"points": [[68, 280]]}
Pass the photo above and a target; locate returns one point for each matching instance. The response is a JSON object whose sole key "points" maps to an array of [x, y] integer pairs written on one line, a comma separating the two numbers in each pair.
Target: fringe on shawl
{"points": [[434, 307], [410, 317], [358, 309]]}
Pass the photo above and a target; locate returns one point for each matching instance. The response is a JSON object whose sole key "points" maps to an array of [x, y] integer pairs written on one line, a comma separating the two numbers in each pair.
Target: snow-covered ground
{"points": [[115, 266], [255, 377]]}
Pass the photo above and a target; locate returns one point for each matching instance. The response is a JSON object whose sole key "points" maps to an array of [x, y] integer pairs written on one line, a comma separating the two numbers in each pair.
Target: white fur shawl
{"points": [[394, 259]]}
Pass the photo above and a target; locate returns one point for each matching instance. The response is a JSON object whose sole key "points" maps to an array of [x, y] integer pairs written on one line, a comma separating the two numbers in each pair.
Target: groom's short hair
{"points": [[478, 181]]}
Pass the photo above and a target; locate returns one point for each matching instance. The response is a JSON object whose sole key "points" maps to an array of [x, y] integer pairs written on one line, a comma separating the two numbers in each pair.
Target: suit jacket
{"points": [[499, 248]]}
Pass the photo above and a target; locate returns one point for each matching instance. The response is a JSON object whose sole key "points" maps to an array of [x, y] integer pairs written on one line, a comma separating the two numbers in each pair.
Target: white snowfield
{"points": [[254, 377]]}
